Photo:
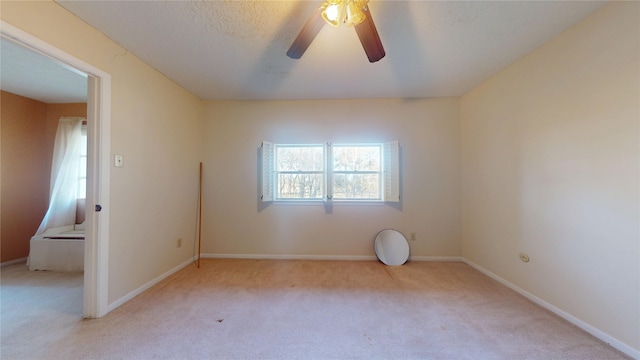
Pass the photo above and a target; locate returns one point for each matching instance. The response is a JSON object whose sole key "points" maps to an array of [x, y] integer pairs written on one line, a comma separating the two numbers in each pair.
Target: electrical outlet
{"points": [[179, 243], [413, 236], [524, 257]]}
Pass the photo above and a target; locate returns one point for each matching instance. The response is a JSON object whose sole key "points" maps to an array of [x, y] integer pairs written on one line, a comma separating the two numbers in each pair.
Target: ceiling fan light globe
{"points": [[355, 15], [333, 12]]}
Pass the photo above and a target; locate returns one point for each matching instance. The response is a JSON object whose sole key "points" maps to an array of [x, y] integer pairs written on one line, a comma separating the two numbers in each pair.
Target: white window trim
{"points": [[380, 173], [83, 154], [390, 179], [268, 171], [391, 172], [322, 172]]}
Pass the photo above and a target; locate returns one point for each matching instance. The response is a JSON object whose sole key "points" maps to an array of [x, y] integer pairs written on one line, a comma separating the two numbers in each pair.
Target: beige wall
{"points": [[29, 131], [25, 172], [155, 124], [235, 223], [550, 155]]}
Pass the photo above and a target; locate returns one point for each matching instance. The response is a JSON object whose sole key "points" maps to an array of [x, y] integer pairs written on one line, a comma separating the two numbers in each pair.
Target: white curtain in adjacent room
{"points": [[65, 172]]}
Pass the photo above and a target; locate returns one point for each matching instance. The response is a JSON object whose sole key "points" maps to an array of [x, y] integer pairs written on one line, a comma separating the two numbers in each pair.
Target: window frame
{"points": [[332, 172], [389, 174], [82, 172], [277, 172]]}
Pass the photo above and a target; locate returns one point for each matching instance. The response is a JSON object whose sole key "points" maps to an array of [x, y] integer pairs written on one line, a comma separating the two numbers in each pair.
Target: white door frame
{"points": [[96, 255]]}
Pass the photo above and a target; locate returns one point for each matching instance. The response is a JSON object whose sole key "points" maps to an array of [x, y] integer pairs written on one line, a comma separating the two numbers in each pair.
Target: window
{"points": [[330, 172], [356, 172], [82, 171], [299, 171]]}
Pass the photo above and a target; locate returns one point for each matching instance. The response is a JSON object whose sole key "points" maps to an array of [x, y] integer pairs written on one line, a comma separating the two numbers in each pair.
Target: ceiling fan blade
{"points": [[369, 37], [306, 35]]}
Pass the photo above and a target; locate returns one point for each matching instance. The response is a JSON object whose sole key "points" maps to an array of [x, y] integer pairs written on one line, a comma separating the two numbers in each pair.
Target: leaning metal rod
{"points": [[200, 215]]}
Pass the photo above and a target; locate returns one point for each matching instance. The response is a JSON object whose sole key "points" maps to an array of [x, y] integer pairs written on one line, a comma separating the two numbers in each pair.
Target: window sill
{"points": [[329, 203]]}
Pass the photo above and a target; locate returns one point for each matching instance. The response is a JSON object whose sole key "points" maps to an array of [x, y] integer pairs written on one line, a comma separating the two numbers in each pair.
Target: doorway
{"points": [[95, 292]]}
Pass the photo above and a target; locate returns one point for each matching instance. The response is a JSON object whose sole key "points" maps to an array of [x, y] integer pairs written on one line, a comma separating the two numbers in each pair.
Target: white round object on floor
{"points": [[391, 247]]}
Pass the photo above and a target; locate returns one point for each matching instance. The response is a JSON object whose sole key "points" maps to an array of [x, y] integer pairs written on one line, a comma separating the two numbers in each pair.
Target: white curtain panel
{"points": [[65, 172]]}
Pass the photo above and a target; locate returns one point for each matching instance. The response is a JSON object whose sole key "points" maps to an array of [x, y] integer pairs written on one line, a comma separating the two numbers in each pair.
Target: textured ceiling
{"points": [[236, 49]]}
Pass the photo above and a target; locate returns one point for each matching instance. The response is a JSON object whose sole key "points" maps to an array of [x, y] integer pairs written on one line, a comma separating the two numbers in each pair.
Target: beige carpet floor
{"points": [[263, 309]]}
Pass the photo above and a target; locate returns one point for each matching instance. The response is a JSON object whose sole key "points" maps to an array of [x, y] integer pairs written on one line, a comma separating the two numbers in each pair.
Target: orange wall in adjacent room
{"points": [[28, 129]]}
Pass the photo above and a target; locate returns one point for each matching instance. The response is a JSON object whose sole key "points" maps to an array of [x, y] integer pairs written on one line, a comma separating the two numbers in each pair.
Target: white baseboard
{"points": [[437, 258], [324, 257], [11, 262], [617, 344], [146, 286], [288, 257]]}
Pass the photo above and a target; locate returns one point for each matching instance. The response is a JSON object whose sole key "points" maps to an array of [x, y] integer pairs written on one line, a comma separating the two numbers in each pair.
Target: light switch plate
{"points": [[118, 161]]}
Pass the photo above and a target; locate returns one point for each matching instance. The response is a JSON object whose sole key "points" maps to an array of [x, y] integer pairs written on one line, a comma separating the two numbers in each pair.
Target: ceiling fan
{"points": [[353, 13]]}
